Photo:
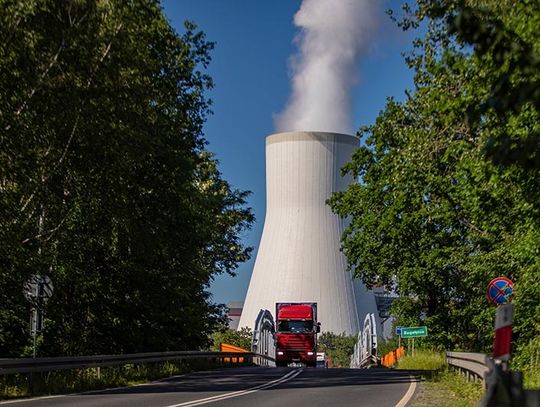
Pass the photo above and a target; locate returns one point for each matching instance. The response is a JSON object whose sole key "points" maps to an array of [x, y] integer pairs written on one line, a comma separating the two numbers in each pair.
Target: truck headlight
{"points": [[280, 353], [310, 353]]}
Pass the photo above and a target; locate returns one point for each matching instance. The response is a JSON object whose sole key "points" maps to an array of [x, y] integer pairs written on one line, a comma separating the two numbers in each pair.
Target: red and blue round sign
{"points": [[499, 291]]}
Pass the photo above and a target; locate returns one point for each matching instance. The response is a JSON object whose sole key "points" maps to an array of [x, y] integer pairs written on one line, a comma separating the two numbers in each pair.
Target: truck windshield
{"points": [[295, 326]]}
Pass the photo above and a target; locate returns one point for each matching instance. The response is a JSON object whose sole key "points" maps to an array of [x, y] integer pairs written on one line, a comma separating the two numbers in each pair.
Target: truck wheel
{"points": [[281, 364]]}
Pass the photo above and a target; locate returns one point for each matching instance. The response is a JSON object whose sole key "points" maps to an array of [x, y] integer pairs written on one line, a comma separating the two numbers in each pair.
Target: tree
{"points": [[504, 39], [106, 183], [241, 338], [436, 215], [337, 348]]}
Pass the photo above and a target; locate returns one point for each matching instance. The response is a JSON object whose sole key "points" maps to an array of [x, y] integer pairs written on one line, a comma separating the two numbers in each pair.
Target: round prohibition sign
{"points": [[500, 290]]}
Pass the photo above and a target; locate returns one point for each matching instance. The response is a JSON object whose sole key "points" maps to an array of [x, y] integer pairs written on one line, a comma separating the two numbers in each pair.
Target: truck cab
{"points": [[296, 334]]}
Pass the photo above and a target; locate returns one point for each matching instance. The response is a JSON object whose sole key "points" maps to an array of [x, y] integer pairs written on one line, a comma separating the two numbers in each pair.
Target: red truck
{"points": [[296, 333]]}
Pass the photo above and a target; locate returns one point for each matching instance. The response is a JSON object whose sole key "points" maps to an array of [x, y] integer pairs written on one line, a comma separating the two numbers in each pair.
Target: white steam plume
{"points": [[334, 33]]}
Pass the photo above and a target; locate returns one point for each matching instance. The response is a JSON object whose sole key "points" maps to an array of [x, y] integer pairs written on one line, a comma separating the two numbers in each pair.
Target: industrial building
{"points": [[299, 257]]}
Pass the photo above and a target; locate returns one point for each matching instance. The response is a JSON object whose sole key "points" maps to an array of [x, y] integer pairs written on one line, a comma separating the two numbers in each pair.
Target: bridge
{"points": [[258, 383]]}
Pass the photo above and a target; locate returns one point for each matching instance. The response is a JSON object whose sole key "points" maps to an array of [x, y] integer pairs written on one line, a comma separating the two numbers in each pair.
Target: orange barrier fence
{"points": [[391, 358], [225, 347]]}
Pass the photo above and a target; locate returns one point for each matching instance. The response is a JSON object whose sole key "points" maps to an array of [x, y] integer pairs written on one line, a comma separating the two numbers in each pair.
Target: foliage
{"points": [[337, 348], [527, 359], [503, 36], [450, 179], [422, 360], [386, 345], [241, 338], [105, 182]]}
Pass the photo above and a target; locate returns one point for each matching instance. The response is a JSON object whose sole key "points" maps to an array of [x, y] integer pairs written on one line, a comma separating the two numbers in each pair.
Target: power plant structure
{"points": [[299, 257]]}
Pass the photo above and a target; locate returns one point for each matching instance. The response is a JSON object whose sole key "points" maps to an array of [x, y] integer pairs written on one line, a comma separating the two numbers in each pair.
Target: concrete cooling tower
{"points": [[299, 257]]}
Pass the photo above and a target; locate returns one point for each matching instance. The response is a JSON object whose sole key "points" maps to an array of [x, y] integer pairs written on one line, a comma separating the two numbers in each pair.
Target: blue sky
{"points": [[250, 68]]}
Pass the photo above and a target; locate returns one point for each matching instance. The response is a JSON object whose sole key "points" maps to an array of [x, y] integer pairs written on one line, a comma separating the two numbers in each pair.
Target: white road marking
{"points": [[30, 399], [289, 376], [407, 397]]}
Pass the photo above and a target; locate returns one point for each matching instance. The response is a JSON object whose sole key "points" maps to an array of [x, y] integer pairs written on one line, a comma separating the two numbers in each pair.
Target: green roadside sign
{"points": [[413, 332]]}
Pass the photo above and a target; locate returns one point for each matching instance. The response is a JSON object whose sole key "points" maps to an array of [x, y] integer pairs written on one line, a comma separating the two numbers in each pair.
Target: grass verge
{"points": [[448, 389], [440, 387], [423, 360]]}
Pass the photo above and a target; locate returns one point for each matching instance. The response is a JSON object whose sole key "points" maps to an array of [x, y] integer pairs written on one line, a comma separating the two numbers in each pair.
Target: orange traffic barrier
{"points": [[391, 358], [225, 347]]}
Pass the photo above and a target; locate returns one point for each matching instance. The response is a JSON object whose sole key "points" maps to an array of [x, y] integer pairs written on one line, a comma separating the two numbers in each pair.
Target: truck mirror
{"points": [[318, 329]]}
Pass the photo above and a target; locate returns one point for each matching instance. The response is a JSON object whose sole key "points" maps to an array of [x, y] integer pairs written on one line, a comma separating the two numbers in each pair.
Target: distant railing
{"points": [[365, 349], [32, 365]]}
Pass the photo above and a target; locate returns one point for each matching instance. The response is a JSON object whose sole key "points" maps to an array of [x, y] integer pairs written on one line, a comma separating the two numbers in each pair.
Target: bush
{"points": [[423, 360], [241, 338], [338, 348], [527, 359]]}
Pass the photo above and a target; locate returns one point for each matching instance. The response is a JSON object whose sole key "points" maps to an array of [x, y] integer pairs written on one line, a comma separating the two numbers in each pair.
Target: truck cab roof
{"points": [[295, 311]]}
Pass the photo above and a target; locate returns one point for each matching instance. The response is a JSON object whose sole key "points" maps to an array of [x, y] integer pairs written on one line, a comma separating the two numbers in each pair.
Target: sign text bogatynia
{"points": [[413, 332]]}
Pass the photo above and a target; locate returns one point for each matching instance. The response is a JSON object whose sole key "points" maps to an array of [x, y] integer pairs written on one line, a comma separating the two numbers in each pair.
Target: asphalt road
{"points": [[251, 386]]}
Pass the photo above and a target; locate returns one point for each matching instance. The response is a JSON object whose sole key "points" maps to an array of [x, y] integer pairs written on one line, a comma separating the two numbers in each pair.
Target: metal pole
{"points": [[34, 331], [33, 324], [38, 315], [33, 328]]}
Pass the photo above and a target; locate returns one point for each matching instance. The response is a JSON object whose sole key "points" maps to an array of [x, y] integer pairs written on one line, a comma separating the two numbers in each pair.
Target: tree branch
{"points": [[48, 233], [104, 55], [40, 81]]}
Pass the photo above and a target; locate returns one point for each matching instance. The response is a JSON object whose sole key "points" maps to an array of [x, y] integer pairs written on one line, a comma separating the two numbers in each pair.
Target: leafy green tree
{"points": [[436, 214], [241, 338], [504, 39], [106, 185], [337, 348], [386, 345], [505, 119]]}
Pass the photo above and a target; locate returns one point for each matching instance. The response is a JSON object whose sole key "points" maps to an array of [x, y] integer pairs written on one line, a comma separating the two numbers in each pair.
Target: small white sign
{"points": [[504, 315]]}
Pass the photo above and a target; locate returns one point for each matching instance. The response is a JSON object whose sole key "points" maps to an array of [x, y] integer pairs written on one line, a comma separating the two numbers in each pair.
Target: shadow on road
{"points": [[235, 379]]}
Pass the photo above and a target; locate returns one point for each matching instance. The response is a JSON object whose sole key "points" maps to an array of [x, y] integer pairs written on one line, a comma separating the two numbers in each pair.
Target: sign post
{"points": [[499, 292], [398, 333], [37, 290], [503, 332], [412, 332]]}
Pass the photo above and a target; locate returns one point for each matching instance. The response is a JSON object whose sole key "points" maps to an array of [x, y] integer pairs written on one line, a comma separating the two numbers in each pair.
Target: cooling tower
{"points": [[299, 257]]}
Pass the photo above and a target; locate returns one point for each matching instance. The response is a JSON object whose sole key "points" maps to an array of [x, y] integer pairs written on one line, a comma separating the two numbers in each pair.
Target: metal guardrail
{"points": [[503, 387], [263, 360], [475, 365], [32, 365]]}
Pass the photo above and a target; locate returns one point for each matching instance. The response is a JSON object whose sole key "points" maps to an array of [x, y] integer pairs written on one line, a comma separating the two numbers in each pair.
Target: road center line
{"points": [[407, 397], [289, 376]]}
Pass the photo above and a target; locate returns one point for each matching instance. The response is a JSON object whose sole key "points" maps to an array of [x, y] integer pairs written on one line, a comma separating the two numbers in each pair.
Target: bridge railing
{"points": [[32, 365]]}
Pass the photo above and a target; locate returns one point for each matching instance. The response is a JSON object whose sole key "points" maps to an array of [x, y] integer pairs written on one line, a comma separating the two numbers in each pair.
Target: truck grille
{"points": [[295, 342]]}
